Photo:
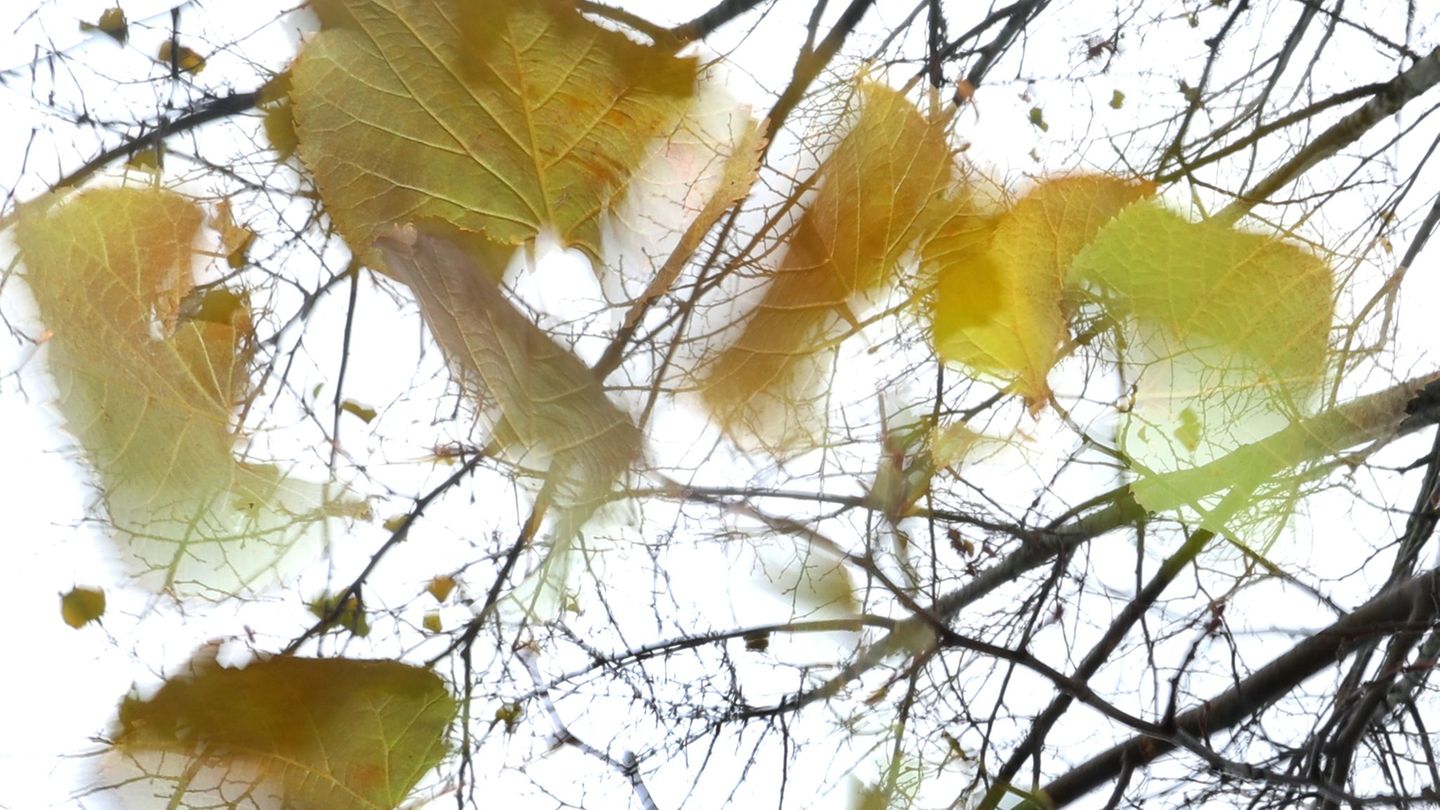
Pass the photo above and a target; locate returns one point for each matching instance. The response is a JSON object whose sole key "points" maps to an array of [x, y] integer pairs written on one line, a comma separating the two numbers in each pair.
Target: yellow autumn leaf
{"points": [[184, 59], [1229, 331], [441, 587], [150, 372], [507, 117], [80, 606], [112, 23], [999, 304], [301, 733], [866, 214]]}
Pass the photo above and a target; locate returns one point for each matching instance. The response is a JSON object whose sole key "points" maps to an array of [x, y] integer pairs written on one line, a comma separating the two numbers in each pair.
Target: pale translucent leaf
{"points": [[1228, 330], [556, 414], [729, 177], [150, 374]]}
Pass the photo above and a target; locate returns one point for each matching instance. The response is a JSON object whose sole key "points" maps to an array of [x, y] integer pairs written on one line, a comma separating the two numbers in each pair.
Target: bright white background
{"points": [[59, 687]]}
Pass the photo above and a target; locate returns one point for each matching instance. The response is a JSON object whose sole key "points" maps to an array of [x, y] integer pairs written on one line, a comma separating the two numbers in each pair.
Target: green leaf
{"points": [[150, 373], [1229, 331], [364, 413], [279, 115], [302, 733], [350, 615], [865, 216], [81, 606], [505, 117]]}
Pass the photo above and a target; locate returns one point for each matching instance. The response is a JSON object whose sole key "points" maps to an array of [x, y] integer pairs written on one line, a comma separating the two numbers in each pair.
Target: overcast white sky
{"points": [[61, 686]]}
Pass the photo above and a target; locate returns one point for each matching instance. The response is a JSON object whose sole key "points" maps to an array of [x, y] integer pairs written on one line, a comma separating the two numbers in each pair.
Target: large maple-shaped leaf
{"points": [[999, 306], [865, 216], [295, 733], [150, 372], [505, 117], [1229, 331]]}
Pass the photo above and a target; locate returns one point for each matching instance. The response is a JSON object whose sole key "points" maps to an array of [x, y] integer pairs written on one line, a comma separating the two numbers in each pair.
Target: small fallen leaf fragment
{"points": [[112, 23], [1189, 431], [432, 621], [1117, 100], [441, 586], [81, 606], [145, 160], [279, 119], [365, 413], [235, 239], [509, 714], [186, 60], [350, 615], [1037, 119]]}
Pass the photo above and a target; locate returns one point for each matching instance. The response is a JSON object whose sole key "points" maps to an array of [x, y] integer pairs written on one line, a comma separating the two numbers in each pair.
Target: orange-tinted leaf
{"points": [[235, 238], [81, 606], [505, 117], [305, 734], [1000, 310], [866, 214]]}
